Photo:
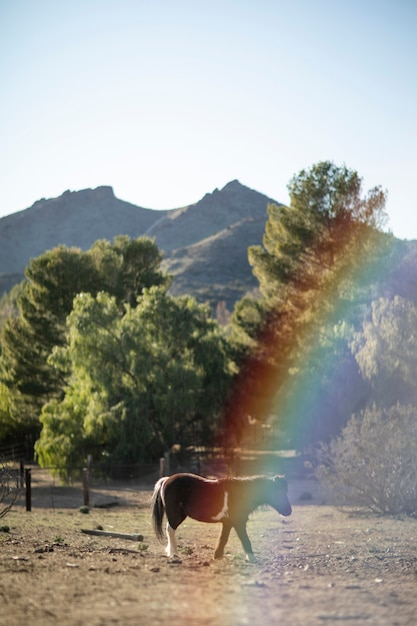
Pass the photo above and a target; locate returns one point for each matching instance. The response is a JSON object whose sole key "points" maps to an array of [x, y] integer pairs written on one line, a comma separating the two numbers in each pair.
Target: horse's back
{"points": [[200, 498]]}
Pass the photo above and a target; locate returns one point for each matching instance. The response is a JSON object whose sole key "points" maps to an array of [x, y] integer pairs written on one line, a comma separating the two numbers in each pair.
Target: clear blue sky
{"points": [[168, 100]]}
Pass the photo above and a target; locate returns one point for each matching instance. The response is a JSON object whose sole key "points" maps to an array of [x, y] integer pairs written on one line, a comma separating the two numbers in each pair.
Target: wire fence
{"points": [[85, 487], [16, 451], [104, 486], [101, 486]]}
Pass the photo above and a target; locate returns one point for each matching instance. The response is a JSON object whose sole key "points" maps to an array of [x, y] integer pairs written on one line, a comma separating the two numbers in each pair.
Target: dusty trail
{"points": [[320, 566]]}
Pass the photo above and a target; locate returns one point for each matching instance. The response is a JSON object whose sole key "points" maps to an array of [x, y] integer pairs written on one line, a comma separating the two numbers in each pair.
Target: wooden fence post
{"points": [[28, 482], [21, 474], [167, 463], [161, 467], [86, 486], [164, 465]]}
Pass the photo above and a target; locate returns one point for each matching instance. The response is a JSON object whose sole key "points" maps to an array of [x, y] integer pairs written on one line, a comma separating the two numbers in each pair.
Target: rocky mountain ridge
{"points": [[204, 244]]}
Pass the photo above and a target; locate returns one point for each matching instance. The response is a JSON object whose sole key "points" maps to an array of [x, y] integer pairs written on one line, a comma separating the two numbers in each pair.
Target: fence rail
{"points": [[13, 452], [85, 486]]}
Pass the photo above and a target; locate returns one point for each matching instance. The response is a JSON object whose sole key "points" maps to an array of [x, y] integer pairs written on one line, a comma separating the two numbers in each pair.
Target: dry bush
{"points": [[373, 462], [10, 489]]}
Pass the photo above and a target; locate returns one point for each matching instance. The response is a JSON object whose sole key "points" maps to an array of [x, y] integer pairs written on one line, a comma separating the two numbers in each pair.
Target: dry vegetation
{"points": [[322, 565]]}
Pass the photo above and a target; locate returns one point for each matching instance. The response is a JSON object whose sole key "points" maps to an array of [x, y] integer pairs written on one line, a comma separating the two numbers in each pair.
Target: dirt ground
{"points": [[322, 565]]}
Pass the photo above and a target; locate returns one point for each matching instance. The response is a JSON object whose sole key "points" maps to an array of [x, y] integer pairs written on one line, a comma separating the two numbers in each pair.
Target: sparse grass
{"points": [[59, 539], [50, 524]]}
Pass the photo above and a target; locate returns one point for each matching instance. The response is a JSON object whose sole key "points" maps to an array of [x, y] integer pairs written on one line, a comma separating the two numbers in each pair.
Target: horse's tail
{"points": [[158, 508]]}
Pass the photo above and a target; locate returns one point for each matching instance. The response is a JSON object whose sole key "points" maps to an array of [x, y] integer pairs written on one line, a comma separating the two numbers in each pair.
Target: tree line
{"points": [[97, 358]]}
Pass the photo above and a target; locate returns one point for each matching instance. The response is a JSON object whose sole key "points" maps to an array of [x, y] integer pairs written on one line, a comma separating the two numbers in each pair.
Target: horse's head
{"points": [[280, 500]]}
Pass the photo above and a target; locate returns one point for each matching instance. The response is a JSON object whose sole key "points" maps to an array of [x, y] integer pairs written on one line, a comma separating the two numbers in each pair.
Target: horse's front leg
{"points": [[222, 540], [243, 536]]}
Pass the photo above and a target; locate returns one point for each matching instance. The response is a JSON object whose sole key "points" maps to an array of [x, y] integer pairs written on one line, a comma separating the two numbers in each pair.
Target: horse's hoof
{"points": [[174, 559], [250, 558]]}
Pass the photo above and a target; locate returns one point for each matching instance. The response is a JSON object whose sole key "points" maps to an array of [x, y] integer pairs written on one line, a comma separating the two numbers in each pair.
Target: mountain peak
{"points": [[104, 191], [233, 185], [99, 193], [78, 218]]}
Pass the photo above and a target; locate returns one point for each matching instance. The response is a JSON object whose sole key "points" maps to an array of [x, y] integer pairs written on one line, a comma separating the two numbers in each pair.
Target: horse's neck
{"points": [[260, 492], [255, 494]]}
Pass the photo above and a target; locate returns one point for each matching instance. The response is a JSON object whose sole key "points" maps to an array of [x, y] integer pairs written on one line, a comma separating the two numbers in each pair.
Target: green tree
{"points": [[8, 428], [313, 252], [127, 266], [8, 304], [123, 269], [27, 340], [386, 351], [327, 224], [138, 383]]}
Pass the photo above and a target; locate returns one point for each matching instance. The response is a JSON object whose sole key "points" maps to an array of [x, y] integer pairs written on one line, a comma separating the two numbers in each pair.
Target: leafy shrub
{"points": [[373, 462]]}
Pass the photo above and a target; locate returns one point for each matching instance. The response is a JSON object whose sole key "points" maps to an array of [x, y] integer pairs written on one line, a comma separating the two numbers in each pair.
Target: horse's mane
{"points": [[248, 479]]}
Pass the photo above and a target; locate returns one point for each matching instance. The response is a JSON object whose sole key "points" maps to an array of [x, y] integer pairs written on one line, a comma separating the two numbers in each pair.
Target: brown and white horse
{"points": [[226, 500]]}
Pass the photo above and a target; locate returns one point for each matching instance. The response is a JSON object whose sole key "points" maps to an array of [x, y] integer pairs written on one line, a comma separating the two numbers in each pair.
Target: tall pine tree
{"points": [[311, 251]]}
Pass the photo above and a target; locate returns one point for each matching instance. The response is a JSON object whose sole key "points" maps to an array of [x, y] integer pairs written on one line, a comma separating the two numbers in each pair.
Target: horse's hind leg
{"points": [[174, 520], [224, 536], [175, 516], [172, 548], [247, 546]]}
